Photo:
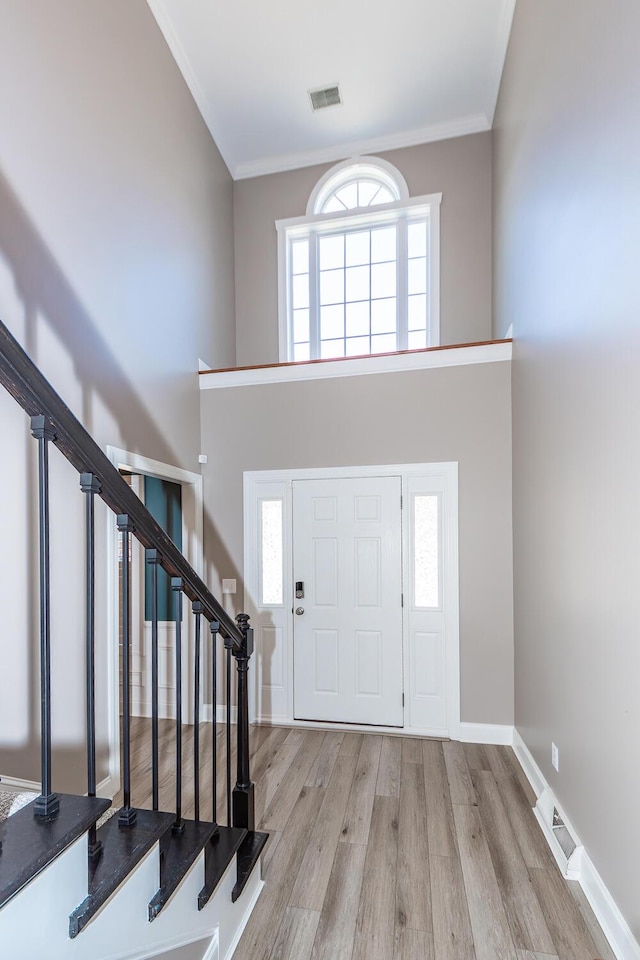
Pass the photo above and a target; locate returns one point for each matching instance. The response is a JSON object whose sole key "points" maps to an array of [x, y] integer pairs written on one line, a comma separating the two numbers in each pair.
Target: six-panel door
{"points": [[347, 552]]}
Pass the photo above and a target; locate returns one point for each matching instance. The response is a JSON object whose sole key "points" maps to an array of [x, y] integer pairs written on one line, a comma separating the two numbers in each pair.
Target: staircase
{"points": [[143, 882]]}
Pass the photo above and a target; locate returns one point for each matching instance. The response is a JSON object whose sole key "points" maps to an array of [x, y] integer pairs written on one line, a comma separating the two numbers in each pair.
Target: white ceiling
{"points": [[410, 71]]}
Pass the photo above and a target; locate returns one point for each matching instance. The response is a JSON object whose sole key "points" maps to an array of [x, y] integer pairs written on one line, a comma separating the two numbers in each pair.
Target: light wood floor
{"points": [[390, 848]]}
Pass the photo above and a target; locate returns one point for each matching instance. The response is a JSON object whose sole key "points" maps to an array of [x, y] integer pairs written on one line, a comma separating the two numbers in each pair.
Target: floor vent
{"points": [[325, 97], [562, 835]]}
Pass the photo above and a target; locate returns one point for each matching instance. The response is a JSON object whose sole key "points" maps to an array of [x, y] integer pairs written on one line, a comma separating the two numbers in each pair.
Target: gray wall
{"points": [[456, 413], [460, 169], [567, 228], [116, 273], [191, 951]]}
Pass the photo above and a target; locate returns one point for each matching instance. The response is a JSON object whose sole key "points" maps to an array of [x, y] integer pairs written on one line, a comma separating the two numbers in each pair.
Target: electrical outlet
{"points": [[229, 586], [555, 757]]}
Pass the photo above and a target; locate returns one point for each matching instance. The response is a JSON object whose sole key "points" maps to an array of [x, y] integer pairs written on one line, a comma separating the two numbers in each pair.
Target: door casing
{"points": [[192, 540], [277, 483]]}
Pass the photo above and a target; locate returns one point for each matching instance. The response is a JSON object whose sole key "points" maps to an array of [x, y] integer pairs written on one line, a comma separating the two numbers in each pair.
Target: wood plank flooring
{"points": [[390, 848]]}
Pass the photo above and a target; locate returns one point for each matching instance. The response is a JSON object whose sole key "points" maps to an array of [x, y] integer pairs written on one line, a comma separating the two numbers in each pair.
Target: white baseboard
{"points": [[221, 713], [501, 734], [617, 930], [579, 867], [107, 788], [244, 921], [14, 783], [532, 770], [468, 732]]}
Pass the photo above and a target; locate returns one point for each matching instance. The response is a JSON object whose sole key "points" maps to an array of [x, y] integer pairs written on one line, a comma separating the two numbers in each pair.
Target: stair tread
{"points": [[122, 849], [219, 853], [248, 855], [29, 844], [178, 852]]}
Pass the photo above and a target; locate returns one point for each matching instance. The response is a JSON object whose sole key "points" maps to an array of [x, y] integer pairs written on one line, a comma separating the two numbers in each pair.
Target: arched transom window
{"points": [[358, 274], [357, 185]]}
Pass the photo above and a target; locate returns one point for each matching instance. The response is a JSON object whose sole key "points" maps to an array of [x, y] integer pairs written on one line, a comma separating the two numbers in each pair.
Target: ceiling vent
{"points": [[325, 97]]}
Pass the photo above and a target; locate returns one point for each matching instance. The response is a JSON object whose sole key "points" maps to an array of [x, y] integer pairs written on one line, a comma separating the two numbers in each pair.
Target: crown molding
{"points": [[461, 127], [243, 170]]}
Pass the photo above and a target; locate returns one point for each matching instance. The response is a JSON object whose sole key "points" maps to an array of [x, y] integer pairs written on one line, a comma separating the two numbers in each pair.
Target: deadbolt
{"points": [[299, 611]]}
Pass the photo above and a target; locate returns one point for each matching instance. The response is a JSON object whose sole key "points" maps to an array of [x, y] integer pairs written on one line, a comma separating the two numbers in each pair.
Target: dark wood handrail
{"points": [[27, 385]]}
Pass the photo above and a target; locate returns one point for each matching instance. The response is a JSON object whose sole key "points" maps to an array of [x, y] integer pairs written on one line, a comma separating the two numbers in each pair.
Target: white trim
{"points": [[615, 927], [137, 463], [360, 215], [245, 919], [242, 170], [352, 169], [486, 733], [446, 470], [104, 788], [212, 951], [579, 867], [193, 550], [221, 713], [532, 770], [358, 366], [399, 214], [461, 127], [15, 783], [283, 298], [164, 946]]}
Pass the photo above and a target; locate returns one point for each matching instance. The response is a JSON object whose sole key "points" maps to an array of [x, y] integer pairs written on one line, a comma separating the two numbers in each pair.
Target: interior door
{"points": [[347, 564]]}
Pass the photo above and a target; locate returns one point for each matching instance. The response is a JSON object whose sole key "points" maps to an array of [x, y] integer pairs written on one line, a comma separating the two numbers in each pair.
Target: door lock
{"points": [[299, 611], [299, 589]]}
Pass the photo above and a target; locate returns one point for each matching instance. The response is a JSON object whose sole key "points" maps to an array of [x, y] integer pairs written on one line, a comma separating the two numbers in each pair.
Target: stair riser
{"points": [[35, 923]]}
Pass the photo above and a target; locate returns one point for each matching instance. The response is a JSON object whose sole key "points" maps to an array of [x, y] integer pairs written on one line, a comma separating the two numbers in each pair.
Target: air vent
{"points": [[564, 838], [325, 97]]}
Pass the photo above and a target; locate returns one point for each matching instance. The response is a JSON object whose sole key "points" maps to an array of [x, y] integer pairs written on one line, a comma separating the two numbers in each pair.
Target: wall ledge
{"points": [[491, 351]]}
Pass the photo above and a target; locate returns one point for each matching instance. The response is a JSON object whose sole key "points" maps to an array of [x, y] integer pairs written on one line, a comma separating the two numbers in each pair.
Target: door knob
{"points": [[299, 611]]}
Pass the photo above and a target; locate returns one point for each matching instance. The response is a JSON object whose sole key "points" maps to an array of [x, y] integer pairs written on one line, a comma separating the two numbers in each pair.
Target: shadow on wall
{"points": [[46, 298]]}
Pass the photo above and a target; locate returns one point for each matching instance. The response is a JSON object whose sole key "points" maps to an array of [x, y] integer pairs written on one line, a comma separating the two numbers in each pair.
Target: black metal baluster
{"points": [[228, 644], [47, 805], [198, 609], [153, 558], [243, 793], [127, 816], [90, 485], [214, 627], [176, 585]]}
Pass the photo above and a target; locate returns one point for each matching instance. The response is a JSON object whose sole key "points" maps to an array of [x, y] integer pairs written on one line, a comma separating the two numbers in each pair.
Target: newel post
{"points": [[243, 799]]}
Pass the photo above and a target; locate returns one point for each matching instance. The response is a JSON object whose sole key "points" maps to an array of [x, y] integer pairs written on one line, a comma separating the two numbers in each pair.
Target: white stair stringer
{"points": [[36, 922]]}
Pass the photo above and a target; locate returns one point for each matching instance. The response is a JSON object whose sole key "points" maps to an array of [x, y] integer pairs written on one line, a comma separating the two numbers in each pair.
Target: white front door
{"points": [[347, 556]]}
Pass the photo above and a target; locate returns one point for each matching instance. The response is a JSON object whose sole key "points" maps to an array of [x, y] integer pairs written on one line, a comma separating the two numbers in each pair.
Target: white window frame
{"points": [[357, 168], [312, 226]]}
